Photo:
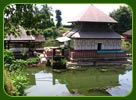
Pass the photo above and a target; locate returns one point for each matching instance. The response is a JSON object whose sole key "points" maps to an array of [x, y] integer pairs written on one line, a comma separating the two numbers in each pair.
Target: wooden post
{"points": [[54, 52], [8, 44], [62, 52]]}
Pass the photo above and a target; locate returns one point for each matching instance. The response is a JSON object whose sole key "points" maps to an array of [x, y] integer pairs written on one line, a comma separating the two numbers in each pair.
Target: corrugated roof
{"points": [[25, 37], [129, 32], [70, 33], [96, 34], [92, 14]]}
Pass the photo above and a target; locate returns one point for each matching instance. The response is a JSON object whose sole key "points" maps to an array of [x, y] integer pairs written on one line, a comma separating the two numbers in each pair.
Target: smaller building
{"points": [[24, 44], [128, 35]]}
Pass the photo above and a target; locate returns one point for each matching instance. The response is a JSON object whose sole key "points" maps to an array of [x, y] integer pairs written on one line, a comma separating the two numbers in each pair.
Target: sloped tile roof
{"points": [[97, 35], [129, 32], [25, 37], [92, 14]]}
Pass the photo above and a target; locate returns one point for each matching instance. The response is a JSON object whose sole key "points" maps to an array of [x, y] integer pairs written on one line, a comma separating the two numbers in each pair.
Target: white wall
{"points": [[20, 49], [82, 44]]}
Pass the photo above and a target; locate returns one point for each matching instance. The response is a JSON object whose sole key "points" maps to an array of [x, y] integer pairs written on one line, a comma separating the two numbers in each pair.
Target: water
{"points": [[92, 81], [125, 86], [44, 86]]}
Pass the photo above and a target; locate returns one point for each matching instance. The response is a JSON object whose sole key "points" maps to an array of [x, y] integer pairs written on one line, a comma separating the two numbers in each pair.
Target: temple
{"points": [[93, 42]]}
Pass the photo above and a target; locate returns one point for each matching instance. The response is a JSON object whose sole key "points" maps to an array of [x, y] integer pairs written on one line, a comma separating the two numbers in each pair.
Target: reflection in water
{"points": [[90, 82], [44, 86], [125, 86]]}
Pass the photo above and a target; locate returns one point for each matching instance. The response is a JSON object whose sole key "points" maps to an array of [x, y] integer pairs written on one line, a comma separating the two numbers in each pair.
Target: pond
{"points": [[88, 81]]}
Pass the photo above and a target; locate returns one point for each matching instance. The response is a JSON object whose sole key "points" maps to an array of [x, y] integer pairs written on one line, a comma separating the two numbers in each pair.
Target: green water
{"points": [[88, 81]]}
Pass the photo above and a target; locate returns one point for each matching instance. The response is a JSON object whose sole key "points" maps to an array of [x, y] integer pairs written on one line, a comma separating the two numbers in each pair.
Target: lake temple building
{"points": [[93, 42]]}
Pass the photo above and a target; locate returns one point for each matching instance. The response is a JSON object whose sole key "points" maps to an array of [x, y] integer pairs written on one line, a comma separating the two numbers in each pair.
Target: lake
{"points": [[88, 81]]}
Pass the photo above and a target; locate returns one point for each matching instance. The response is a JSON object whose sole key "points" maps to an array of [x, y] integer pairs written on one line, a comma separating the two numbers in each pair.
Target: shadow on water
{"points": [[94, 81]]}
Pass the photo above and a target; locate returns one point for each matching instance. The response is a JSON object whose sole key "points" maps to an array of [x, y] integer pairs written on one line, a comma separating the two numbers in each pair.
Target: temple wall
{"points": [[91, 44]]}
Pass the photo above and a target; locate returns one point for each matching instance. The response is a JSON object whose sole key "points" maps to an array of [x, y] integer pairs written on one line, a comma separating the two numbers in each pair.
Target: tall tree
{"points": [[44, 16], [58, 18], [124, 17]]}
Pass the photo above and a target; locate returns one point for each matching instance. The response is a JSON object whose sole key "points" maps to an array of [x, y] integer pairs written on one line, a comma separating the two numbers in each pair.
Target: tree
{"points": [[44, 16], [58, 18], [18, 14], [28, 16], [123, 16]]}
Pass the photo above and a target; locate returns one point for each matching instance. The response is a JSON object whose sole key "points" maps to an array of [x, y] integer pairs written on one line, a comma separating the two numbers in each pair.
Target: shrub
{"points": [[59, 62], [126, 46], [63, 62], [15, 82], [15, 79], [8, 85], [20, 81], [33, 60], [17, 64], [8, 57]]}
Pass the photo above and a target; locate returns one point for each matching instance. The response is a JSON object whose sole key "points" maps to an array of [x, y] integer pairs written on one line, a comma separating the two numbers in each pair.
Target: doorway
{"points": [[99, 46]]}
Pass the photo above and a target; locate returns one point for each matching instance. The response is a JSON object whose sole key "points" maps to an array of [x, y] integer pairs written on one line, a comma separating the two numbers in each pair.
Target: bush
{"points": [[17, 64], [8, 85], [126, 46], [8, 57], [11, 63], [15, 82], [20, 81], [15, 79], [63, 62], [59, 62], [33, 60]]}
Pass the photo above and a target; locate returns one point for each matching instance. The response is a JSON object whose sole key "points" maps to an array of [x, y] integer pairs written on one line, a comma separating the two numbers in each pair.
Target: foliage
{"points": [[27, 16], [8, 84], [33, 60], [63, 62], [20, 81], [17, 64], [8, 57], [126, 46], [17, 14], [52, 42], [44, 16], [59, 62], [15, 82], [50, 33], [62, 30], [58, 18], [123, 16]]}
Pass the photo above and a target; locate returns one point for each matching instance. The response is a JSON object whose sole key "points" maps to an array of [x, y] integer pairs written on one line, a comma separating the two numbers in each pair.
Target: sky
{"points": [[71, 10]]}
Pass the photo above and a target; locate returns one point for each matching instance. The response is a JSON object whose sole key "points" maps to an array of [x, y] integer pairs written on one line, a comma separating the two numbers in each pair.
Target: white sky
{"points": [[71, 10]]}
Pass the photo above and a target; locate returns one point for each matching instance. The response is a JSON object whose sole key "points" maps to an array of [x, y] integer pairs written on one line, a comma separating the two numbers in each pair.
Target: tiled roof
{"points": [[25, 37], [92, 14], [93, 33], [129, 32], [97, 35]]}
